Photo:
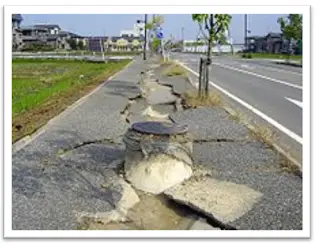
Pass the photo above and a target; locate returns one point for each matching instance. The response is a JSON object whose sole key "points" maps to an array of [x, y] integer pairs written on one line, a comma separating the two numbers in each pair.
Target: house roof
{"points": [[66, 33], [17, 17], [32, 28], [47, 26], [255, 37], [274, 35]]}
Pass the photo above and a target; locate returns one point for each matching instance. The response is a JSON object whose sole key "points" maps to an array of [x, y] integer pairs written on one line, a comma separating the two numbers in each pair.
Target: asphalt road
{"points": [[271, 90]]}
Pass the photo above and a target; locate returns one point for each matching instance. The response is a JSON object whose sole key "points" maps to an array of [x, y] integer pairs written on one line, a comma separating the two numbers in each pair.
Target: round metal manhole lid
{"points": [[159, 128]]}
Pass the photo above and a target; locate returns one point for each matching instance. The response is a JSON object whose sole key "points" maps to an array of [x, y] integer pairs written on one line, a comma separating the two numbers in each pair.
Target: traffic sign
{"points": [[159, 32], [159, 35]]}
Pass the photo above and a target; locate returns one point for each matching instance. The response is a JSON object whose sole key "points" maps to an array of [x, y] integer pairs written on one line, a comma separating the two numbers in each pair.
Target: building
{"points": [[137, 31], [17, 42], [41, 36], [52, 29], [51, 36], [115, 43], [272, 43]]}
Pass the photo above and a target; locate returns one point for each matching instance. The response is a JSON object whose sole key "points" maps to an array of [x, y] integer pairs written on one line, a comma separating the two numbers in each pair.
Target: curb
{"points": [[280, 150], [276, 147], [29, 138]]}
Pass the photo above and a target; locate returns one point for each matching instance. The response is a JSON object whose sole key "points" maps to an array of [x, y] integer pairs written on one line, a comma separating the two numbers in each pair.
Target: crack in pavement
{"points": [[106, 141], [219, 140]]}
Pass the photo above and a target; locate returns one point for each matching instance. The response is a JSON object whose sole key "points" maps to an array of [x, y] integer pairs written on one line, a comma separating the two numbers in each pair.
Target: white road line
{"points": [[276, 69], [296, 102], [258, 75], [254, 110]]}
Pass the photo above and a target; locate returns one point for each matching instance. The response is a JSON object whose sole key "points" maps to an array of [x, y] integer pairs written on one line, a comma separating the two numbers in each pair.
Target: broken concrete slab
{"points": [[164, 108], [179, 85], [158, 94], [221, 200], [211, 123], [255, 165]]}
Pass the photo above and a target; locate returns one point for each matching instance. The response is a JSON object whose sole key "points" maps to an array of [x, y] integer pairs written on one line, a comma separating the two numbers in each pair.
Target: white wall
{"points": [[223, 49]]}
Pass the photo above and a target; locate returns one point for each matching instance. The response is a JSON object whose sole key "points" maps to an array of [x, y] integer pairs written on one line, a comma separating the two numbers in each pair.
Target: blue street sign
{"points": [[159, 35], [159, 32]]}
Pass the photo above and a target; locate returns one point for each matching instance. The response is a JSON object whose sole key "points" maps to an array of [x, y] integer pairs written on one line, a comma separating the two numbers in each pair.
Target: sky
{"points": [[112, 24]]}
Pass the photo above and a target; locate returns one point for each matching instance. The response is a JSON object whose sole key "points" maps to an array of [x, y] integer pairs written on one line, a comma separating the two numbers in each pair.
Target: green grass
{"points": [[43, 87], [175, 70], [274, 56], [62, 52]]}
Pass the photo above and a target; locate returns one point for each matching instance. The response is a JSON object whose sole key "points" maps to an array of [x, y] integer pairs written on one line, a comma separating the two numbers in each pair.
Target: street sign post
{"points": [[159, 35]]}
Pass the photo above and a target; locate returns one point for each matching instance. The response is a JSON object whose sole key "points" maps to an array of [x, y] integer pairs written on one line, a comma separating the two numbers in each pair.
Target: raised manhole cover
{"points": [[159, 128]]}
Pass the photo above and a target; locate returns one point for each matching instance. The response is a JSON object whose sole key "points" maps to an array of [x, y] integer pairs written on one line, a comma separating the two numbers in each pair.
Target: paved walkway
{"points": [[51, 182], [58, 176]]}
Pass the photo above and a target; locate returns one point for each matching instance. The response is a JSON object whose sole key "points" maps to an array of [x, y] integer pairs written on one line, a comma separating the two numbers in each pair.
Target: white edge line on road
{"points": [[254, 110], [273, 69], [296, 102], [258, 75]]}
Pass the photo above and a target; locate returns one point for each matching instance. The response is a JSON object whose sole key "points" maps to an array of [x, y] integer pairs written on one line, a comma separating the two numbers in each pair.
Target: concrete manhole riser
{"points": [[158, 156]]}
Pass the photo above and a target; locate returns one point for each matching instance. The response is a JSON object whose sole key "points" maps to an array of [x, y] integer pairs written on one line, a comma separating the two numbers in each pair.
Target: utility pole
{"points": [[182, 33], [246, 31], [145, 37], [182, 37]]}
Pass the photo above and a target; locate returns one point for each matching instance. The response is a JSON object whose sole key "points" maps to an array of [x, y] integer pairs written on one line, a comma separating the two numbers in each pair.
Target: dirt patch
{"points": [[151, 213]]}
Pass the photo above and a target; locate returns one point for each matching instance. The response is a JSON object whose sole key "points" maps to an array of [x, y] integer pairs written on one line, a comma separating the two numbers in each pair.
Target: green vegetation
{"points": [[86, 52], [175, 70], [215, 25], [247, 55], [42, 88], [193, 100], [156, 43], [291, 27], [39, 46], [272, 56]]}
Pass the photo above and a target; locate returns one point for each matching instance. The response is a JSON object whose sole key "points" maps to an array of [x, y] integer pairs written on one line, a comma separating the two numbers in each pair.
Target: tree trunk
{"points": [[208, 62], [288, 51]]}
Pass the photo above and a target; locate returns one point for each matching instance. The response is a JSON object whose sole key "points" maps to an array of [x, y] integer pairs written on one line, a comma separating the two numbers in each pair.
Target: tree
{"points": [[72, 43], [80, 45], [152, 26], [291, 27], [156, 43], [215, 25]]}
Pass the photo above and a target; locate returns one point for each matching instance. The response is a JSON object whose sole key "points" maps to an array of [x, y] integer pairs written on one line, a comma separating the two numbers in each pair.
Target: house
{"points": [[17, 42], [256, 44], [271, 43], [137, 31], [274, 43], [51, 28], [115, 43]]}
